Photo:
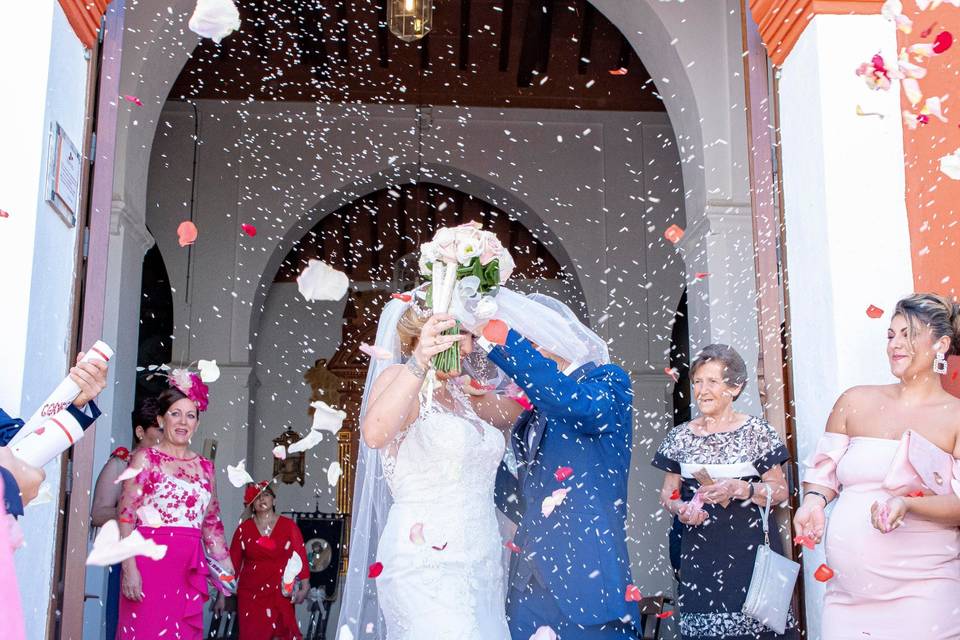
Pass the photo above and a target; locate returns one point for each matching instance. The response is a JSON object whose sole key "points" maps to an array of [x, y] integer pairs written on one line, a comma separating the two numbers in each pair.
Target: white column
{"points": [[846, 223], [722, 304]]}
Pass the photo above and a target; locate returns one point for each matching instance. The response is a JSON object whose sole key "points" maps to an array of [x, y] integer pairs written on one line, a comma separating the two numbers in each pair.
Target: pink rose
{"points": [[491, 249]]}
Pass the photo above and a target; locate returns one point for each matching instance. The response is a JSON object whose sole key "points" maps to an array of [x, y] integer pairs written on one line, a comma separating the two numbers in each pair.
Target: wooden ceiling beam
{"points": [[586, 37], [506, 26], [464, 34]]}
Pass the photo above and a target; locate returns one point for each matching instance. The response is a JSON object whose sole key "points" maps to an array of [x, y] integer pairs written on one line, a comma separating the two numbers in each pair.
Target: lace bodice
{"points": [[449, 452], [181, 492]]}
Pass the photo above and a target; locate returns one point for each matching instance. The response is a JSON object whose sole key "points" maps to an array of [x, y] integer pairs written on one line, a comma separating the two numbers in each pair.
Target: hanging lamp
{"points": [[410, 20]]}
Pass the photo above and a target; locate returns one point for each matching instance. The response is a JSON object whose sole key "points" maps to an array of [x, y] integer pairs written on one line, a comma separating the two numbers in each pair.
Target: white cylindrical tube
{"points": [[52, 437], [65, 393]]}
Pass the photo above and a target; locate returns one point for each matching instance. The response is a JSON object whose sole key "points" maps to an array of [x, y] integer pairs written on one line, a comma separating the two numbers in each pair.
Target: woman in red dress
{"points": [[261, 547]]}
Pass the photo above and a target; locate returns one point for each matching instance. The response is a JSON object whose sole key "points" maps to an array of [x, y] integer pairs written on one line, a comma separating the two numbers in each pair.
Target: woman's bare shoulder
{"points": [[866, 394]]}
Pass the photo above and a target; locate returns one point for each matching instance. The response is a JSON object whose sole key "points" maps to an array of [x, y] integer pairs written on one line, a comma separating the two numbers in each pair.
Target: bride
{"points": [[424, 513]]}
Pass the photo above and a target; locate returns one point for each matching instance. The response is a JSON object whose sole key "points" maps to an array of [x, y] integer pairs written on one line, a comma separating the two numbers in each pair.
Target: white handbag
{"points": [[771, 586]]}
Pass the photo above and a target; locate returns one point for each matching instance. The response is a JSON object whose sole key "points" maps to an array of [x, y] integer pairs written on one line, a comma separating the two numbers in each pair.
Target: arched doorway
{"points": [[374, 241]]}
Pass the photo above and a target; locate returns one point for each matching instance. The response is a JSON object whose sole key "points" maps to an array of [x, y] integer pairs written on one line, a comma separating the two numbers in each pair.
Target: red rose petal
{"points": [[405, 297], [39, 430], [915, 494], [942, 42], [823, 573], [375, 570], [4, 214], [249, 229], [562, 473], [440, 548], [874, 312], [701, 275], [187, 233], [512, 546], [675, 495], [664, 614], [806, 541], [673, 233], [134, 99], [926, 32], [622, 71], [673, 373], [633, 594]]}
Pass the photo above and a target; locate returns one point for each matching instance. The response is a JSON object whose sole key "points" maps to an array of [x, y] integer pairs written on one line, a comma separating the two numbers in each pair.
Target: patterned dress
{"points": [[180, 496], [716, 560]]}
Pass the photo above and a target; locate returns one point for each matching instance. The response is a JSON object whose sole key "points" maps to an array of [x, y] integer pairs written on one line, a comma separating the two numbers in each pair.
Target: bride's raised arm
{"points": [[394, 400]]}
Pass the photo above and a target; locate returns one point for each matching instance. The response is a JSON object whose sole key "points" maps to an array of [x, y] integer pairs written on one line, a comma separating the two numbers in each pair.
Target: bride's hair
{"points": [[408, 329], [938, 312]]}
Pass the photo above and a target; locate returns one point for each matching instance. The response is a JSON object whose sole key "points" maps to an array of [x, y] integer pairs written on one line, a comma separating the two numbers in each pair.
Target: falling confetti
{"points": [[187, 233], [861, 112], [675, 495], [4, 214], [109, 549], [320, 281]]}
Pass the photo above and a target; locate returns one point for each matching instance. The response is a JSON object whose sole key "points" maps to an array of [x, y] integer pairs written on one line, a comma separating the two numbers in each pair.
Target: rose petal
{"points": [[673, 373], [633, 594], [675, 495], [544, 633], [942, 42], [806, 541], [440, 548], [911, 89], [214, 19], [320, 281], [44, 495], [874, 312], [134, 99], [510, 544], [375, 570], [403, 297], [209, 371], [126, 474], [238, 475], [327, 418], [374, 352], [4, 214], [187, 233], [416, 534], [622, 71], [306, 443], [950, 165], [823, 573], [293, 568], [280, 452], [333, 473], [665, 614], [249, 229], [673, 233], [562, 473], [109, 549]]}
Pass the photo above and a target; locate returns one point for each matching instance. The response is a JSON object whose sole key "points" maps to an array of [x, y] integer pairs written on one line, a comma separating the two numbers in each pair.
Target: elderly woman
{"points": [[261, 547], [742, 454], [173, 501]]}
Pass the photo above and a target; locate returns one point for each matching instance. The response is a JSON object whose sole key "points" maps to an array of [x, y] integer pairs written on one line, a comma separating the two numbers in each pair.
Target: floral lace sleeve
{"points": [[214, 540], [133, 495]]}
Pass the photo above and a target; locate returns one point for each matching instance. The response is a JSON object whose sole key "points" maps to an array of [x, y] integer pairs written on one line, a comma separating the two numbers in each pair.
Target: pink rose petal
{"points": [[129, 472], [416, 534], [187, 233], [374, 352]]}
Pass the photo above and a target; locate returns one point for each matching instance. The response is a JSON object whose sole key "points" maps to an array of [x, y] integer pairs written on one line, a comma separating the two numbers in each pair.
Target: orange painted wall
{"points": [[933, 199]]}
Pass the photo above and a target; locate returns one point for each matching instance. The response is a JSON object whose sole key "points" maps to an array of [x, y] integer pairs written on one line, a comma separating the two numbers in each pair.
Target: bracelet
{"points": [[750, 492], [817, 493], [414, 368]]}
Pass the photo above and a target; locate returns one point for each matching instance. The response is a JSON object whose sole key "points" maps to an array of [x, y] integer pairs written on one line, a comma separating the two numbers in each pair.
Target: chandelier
{"points": [[410, 20]]}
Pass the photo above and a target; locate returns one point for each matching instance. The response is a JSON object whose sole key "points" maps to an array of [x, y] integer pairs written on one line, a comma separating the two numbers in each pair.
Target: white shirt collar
{"points": [[571, 368]]}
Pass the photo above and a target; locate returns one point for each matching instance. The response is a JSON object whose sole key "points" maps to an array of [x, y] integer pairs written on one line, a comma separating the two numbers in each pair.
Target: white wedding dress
{"points": [[449, 583]]}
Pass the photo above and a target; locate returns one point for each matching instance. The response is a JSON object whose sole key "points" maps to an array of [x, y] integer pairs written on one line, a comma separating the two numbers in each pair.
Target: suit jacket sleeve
{"points": [[506, 494], [554, 393]]}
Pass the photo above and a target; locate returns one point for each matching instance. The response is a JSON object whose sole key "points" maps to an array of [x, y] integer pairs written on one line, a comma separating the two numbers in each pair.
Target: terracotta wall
{"points": [[933, 199]]}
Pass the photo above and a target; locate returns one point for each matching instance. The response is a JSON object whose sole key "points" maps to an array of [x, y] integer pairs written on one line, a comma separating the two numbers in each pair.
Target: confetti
{"points": [[673, 233], [187, 233], [861, 112], [334, 471], [320, 281], [375, 570], [621, 71], [109, 549], [238, 475], [4, 214], [249, 229], [673, 373], [823, 573], [562, 473], [874, 312], [149, 516]]}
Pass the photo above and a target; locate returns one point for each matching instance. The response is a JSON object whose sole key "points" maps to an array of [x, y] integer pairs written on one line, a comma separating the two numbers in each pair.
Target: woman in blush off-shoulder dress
{"points": [[888, 458], [172, 501]]}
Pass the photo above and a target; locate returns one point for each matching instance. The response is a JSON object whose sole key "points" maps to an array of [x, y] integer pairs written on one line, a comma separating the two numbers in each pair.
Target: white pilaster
{"points": [[722, 304], [846, 223]]}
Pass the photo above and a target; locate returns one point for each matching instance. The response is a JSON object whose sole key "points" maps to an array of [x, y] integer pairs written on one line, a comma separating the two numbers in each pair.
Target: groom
{"points": [[570, 568]]}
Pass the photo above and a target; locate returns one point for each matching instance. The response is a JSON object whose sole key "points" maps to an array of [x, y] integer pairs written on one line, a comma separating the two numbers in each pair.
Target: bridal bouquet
{"points": [[464, 266]]}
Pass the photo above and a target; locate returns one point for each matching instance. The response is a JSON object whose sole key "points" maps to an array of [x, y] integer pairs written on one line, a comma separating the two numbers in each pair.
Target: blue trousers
{"points": [[113, 601], [534, 606]]}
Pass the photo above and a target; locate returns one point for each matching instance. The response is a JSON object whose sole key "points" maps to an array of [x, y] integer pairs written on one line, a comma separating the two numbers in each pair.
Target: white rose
{"points": [[506, 265], [486, 308], [469, 244]]}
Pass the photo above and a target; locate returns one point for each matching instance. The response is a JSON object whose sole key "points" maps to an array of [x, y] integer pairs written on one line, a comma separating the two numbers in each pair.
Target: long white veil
{"points": [[537, 317], [360, 615]]}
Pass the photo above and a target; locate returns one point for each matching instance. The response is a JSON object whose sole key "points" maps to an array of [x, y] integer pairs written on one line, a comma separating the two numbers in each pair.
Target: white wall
{"points": [[37, 251], [848, 246]]}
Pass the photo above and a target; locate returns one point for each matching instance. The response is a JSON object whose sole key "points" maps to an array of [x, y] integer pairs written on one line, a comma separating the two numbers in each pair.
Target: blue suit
{"points": [[573, 567]]}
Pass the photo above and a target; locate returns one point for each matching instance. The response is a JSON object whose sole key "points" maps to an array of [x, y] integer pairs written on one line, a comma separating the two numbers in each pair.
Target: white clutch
{"points": [[771, 586]]}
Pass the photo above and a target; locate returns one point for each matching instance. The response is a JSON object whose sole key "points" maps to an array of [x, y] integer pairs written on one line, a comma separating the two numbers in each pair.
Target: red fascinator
{"points": [[253, 491]]}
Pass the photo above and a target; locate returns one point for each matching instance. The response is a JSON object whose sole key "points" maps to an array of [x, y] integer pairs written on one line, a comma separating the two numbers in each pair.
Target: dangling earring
{"points": [[940, 364]]}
